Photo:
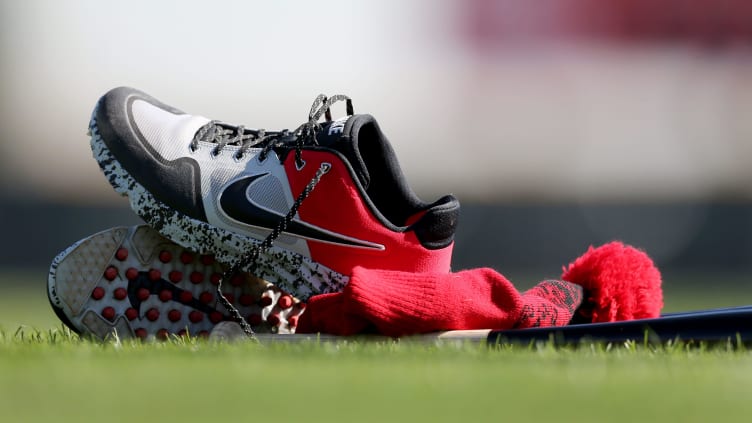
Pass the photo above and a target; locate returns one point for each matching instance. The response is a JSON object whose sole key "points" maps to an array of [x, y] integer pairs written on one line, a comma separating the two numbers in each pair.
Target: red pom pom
{"points": [[620, 283]]}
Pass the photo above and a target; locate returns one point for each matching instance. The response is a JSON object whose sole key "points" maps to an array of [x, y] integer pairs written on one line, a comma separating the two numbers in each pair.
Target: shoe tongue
{"points": [[344, 135]]}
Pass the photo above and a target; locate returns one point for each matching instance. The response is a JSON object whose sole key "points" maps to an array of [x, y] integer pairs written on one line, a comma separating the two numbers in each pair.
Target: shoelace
{"points": [[305, 134], [223, 134]]}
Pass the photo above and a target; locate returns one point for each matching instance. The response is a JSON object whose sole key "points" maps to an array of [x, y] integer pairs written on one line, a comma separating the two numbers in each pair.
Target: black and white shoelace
{"points": [[222, 134]]}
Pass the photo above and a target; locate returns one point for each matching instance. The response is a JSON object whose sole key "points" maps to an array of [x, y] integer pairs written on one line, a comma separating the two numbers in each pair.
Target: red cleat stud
{"points": [[162, 334], [141, 333], [143, 294], [215, 278], [97, 293], [206, 297], [120, 294], [285, 301], [292, 321], [197, 277], [174, 315], [131, 273], [207, 260], [131, 313], [186, 257], [165, 256], [175, 276], [108, 313], [121, 254], [186, 297], [165, 295], [216, 317], [273, 319], [155, 275], [110, 273], [152, 314], [195, 316]]}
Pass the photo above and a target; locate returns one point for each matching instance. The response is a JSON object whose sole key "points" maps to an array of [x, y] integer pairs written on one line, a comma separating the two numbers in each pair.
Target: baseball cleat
{"points": [[137, 283], [324, 198]]}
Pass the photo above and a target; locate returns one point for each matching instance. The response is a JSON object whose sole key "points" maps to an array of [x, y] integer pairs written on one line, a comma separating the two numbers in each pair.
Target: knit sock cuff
{"points": [[550, 303]]}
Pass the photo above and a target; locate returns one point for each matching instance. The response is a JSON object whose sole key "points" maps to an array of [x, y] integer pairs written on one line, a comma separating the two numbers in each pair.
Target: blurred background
{"points": [[558, 124]]}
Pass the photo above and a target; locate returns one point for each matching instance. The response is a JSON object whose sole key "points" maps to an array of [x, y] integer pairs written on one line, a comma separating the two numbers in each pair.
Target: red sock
{"points": [[400, 303]]}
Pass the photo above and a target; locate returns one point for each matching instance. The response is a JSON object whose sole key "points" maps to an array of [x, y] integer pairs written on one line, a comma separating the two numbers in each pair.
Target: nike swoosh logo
{"points": [[155, 287], [236, 201]]}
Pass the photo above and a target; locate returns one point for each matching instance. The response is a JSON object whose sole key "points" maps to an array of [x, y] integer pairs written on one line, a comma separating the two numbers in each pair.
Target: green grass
{"points": [[52, 376], [48, 374]]}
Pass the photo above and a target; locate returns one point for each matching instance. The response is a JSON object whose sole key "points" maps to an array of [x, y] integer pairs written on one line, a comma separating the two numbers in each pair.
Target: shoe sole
{"points": [[290, 271], [136, 283]]}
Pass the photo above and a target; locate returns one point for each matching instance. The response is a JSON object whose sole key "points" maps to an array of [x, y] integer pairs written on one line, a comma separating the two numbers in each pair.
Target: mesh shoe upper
{"points": [[362, 212]]}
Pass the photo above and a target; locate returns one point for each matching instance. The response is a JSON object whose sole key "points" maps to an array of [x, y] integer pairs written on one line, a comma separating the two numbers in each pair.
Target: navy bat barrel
{"points": [[716, 325]]}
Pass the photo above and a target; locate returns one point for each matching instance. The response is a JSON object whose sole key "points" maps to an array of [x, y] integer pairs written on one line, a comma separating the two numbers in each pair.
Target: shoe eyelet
{"points": [[301, 166], [238, 157], [193, 149], [261, 158], [215, 152]]}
